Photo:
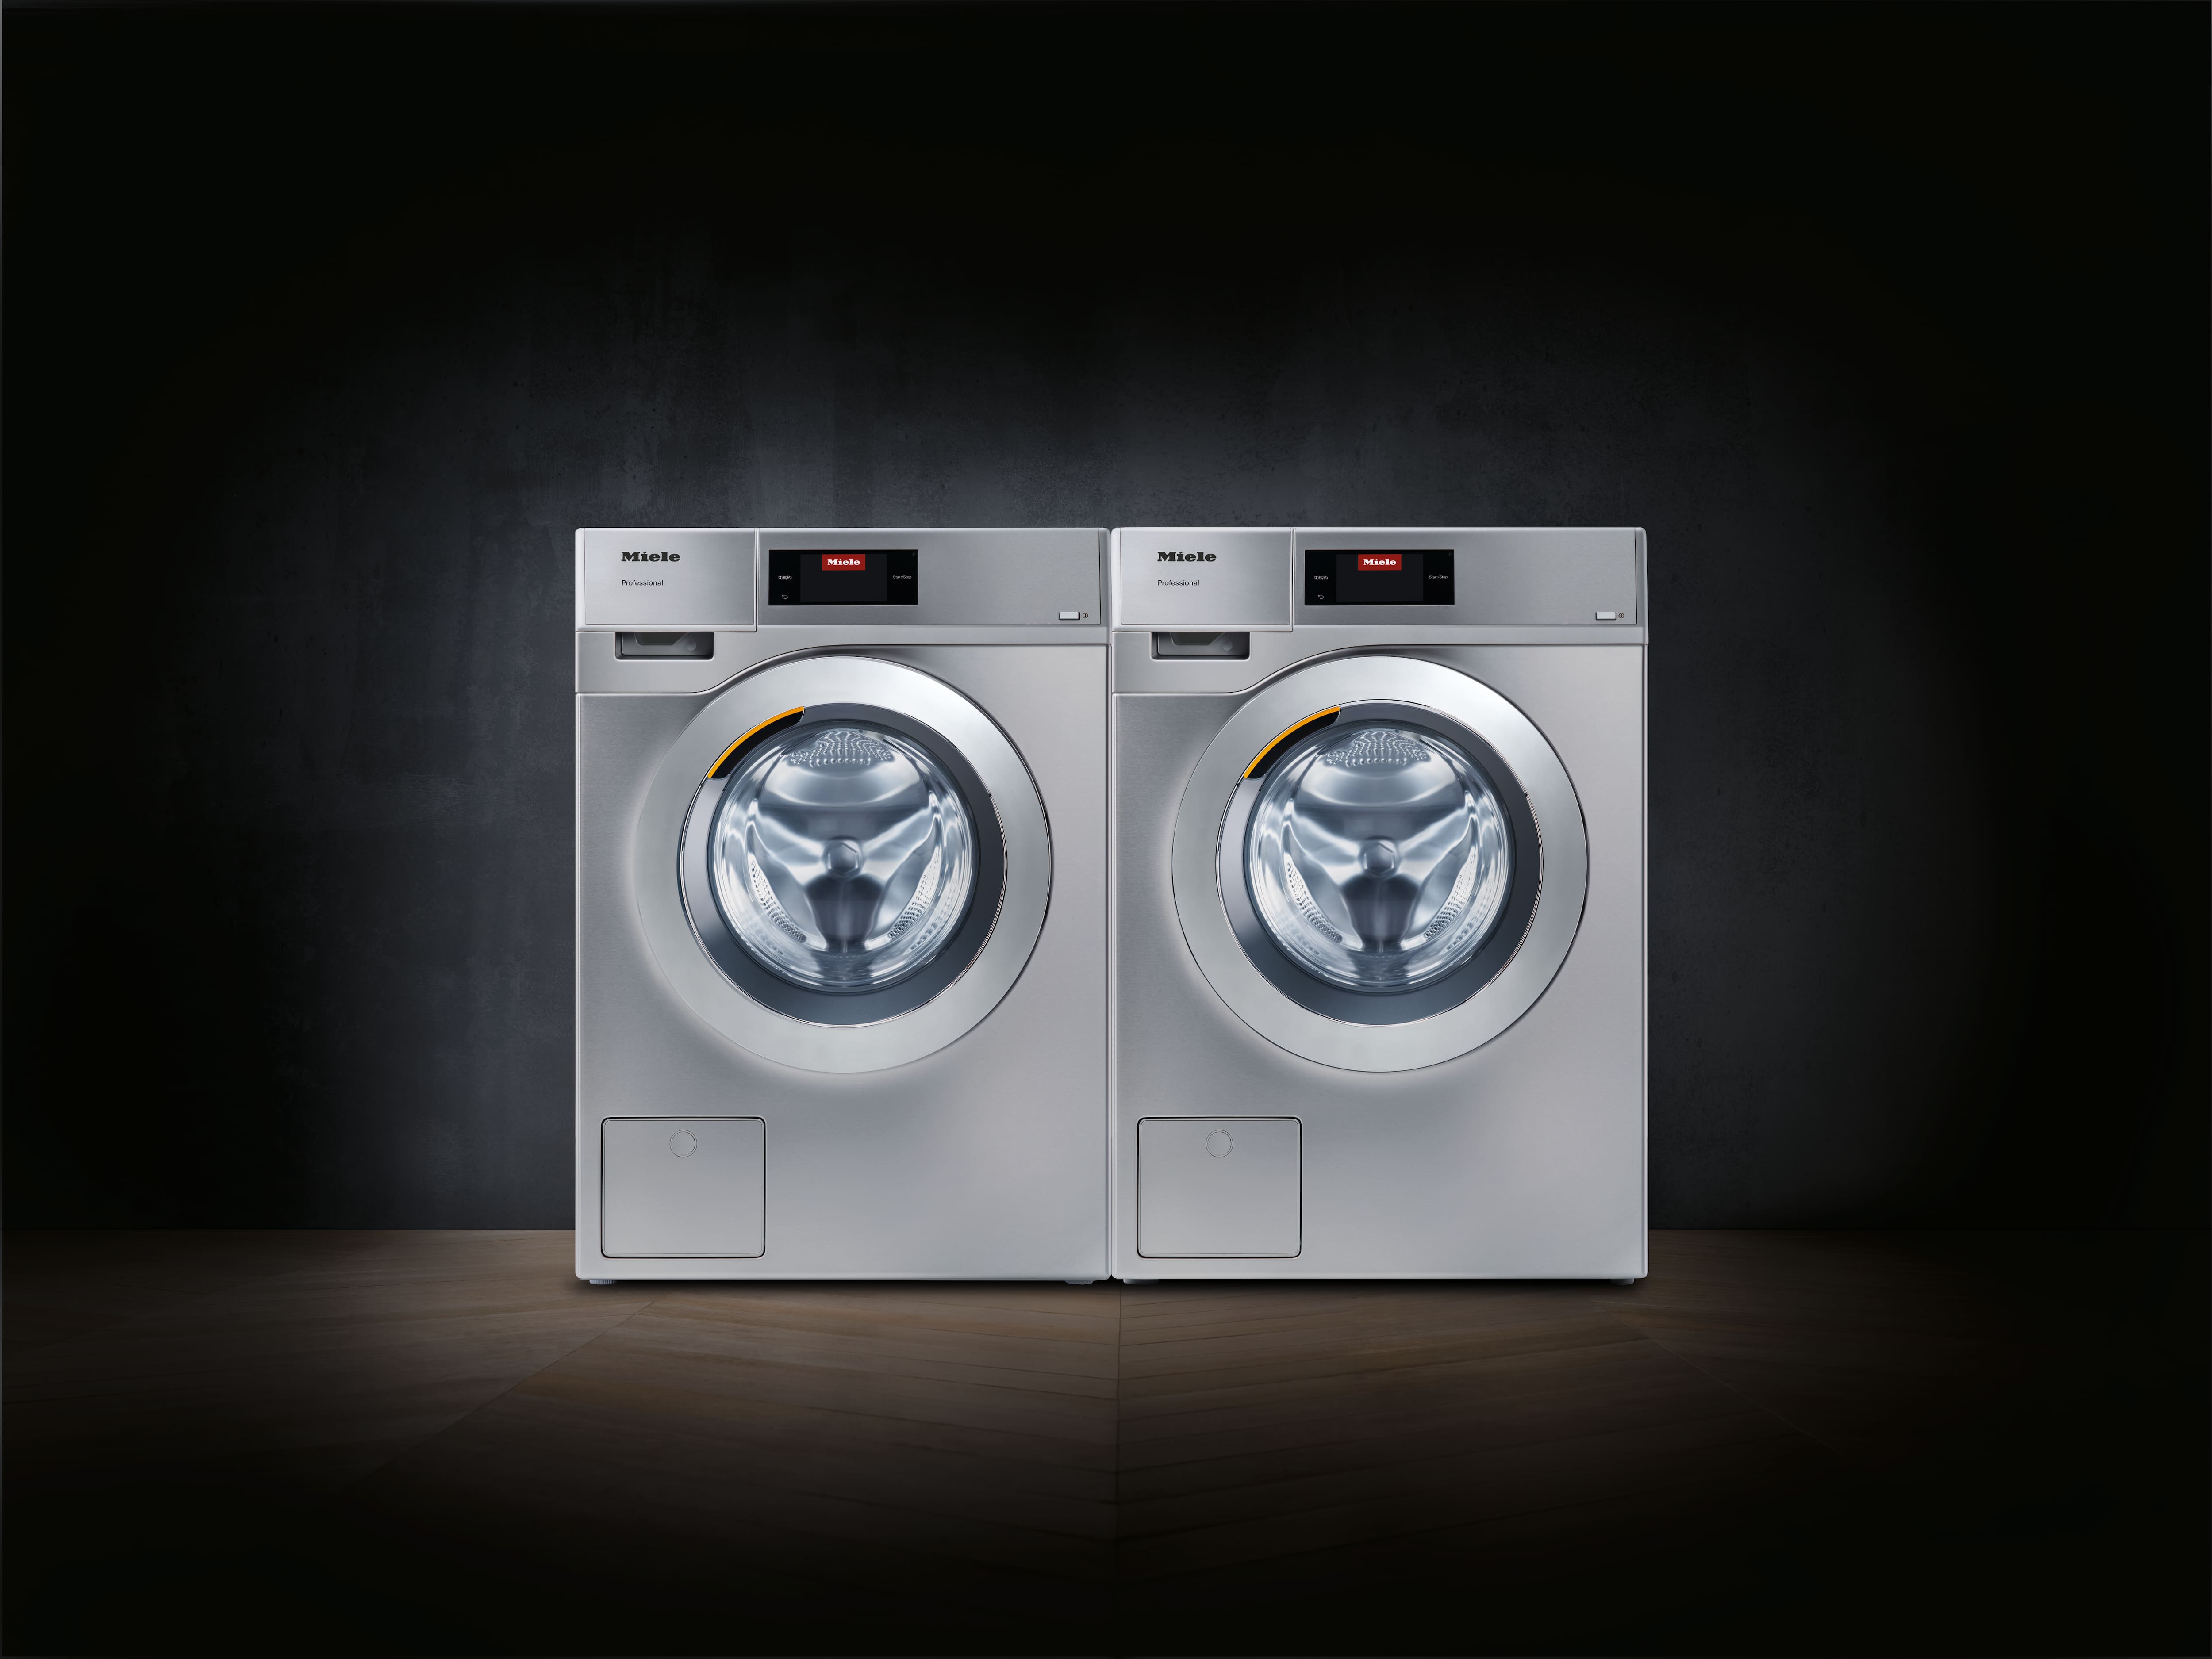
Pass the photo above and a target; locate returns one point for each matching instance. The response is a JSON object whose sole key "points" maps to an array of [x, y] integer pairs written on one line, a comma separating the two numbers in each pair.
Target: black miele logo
{"points": [[1187, 558], [653, 558]]}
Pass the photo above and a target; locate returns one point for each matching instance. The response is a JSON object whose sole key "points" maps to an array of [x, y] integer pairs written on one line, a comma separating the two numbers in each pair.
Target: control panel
{"points": [[1470, 578], [1378, 575], [849, 576], [906, 578]]}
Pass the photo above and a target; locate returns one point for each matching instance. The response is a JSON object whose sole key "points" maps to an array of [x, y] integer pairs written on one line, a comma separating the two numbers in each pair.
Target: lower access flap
{"points": [[683, 1186], [1218, 1186]]}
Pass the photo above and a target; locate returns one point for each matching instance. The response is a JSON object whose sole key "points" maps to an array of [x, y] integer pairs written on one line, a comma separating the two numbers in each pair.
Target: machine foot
{"points": [[603, 1281], [1621, 1282], [1078, 1282]]}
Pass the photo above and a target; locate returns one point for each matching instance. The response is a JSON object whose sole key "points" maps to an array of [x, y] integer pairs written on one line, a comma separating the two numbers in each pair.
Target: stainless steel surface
{"points": [[599, 671], [683, 1186], [1436, 1036], [665, 580], [972, 577], [980, 1158], [1201, 581], [854, 682], [1503, 578], [1217, 1186], [1523, 1157], [1140, 670]]}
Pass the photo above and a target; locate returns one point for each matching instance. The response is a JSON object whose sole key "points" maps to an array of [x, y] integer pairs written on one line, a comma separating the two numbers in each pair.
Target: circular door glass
{"points": [[842, 858], [1378, 858]]}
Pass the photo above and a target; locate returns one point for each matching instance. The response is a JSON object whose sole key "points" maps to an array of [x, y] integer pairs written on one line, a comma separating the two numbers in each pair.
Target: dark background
{"points": [[325, 328]]}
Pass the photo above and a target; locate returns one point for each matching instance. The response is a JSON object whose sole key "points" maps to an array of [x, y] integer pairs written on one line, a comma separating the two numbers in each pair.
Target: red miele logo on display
{"points": [[844, 561], [1382, 561]]}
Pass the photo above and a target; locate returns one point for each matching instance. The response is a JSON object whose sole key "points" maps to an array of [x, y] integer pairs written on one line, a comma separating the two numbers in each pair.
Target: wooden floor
{"points": [[438, 1442]]}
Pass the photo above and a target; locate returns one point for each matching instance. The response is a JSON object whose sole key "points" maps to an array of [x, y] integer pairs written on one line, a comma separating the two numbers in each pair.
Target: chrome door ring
{"points": [[905, 695], [1280, 710]]}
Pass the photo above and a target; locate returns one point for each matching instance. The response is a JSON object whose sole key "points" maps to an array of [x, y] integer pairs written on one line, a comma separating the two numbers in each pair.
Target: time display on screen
{"points": [[843, 576], [1379, 576]]}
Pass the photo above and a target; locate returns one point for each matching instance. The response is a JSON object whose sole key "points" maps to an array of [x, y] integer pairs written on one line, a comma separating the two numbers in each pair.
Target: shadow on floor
{"points": [[440, 1443]]}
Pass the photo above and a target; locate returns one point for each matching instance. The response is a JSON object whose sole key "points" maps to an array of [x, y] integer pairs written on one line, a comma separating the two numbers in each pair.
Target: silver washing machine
{"points": [[1378, 937], [841, 905]]}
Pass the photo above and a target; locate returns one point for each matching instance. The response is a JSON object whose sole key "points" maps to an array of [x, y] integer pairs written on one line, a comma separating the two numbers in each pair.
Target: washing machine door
{"points": [[1380, 864], [843, 864]]}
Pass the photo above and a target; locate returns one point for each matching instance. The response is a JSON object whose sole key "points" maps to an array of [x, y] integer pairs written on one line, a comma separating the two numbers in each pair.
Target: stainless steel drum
{"points": [[1378, 858], [842, 858]]}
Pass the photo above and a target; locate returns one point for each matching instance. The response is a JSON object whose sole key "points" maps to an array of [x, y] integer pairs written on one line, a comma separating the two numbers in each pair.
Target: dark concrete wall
{"points": [[326, 328]]}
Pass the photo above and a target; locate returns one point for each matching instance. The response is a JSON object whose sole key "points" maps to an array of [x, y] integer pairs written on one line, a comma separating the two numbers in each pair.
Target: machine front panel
{"points": [[1521, 1157], [984, 1159]]}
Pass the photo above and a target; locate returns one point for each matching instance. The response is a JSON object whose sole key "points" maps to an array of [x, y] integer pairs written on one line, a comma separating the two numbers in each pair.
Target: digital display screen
{"points": [[848, 576], [1379, 576]]}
